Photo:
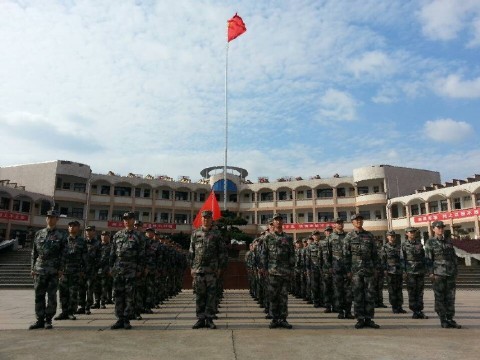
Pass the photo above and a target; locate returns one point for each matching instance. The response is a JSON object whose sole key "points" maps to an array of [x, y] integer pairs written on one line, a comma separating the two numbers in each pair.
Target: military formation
{"points": [[344, 272], [136, 270]]}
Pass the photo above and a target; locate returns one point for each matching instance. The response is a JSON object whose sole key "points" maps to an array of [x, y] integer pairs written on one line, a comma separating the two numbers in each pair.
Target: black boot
{"points": [[126, 325], [360, 324], [349, 315], [39, 324], [199, 324], [284, 324], [371, 324], [48, 323], [273, 324], [61, 316], [341, 315], [453, 323], [209, 324], [117, 325]]}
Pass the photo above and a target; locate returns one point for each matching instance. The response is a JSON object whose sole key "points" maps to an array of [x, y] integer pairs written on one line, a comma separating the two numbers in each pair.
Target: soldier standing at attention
{"points": [[393, 269], [442, 269], [127, 258], [327, 283], [414, 266], [315, 269], [87, 286], [74, 265], [46, 269], [278, 261], [207, 257], [378, 281], [342, 284], [104, 281], [297, 287], [361, 260]]}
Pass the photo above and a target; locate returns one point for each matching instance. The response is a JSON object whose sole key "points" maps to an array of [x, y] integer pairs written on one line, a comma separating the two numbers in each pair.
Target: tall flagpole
{"points": [[226, 130]]}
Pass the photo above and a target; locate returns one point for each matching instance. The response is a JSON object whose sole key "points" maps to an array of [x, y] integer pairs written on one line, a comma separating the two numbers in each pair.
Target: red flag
{"points": [[236, 27], [210, 204]]}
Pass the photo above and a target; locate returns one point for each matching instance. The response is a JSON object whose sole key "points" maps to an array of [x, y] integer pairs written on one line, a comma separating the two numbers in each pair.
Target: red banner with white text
{"points": [[9, 215], [119, 224], [307, 226], [447, 215]]}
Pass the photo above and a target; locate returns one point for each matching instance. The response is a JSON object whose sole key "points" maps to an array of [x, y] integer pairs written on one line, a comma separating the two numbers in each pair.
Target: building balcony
{"points": [[100, 199], [400, 223], [247, 206], [143, 202], [265, 204], [368, 199], [376, 225], [65, 195], [305, 202], [324, 202], [285, 203], [163, 203], [123, 200], [346, 201]]}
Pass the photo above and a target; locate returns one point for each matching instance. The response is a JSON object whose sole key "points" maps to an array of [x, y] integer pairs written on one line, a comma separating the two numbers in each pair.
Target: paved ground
{"points": [[242, 333]]}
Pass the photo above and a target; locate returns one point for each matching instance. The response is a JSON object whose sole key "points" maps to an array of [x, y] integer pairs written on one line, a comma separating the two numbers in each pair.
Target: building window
{"points": [[341, 192], [324, 193], [457, 205], [165, 194], [310, 217], [433, 206], [376, 189], [163, 217], [325, 216], [232, 198], [422, 209], [414, 209], [181, 218], [4, 203], [64, 211], [103, 215], [201, 197], [58, 185], [443, 205], [117, 215], [137, 192], [122, 191], [365, 214], [378, 214], [181, 195], [77, 213], [282, 195], [308, 194], [266, 196], [79, 187], [362, 190], [342, 215], [66, 186]]}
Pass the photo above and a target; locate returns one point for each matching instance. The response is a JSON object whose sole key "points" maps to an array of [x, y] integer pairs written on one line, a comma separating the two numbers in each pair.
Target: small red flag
{"points": [[236, 27], [210, 204]]}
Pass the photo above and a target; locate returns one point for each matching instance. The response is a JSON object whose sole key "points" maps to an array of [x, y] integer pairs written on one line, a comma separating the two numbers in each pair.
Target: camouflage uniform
{"points": [[278, 260], [47, 261], [127, 260], [342, 284], [441, 262], [250, 271], [87, 284], [103, 286], [378, 281], [315, 273], [297, 288], [207, 255], [327, 281], [152, 253], [391, 261], [361, 260], [414, 267], [75, 262]]}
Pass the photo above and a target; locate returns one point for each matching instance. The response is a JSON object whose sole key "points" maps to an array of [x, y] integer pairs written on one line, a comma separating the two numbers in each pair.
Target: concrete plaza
{"points": [[242, 333]]}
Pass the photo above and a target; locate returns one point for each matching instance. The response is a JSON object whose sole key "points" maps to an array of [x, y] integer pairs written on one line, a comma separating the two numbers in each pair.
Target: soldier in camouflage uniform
{"points": [[151, 254], [87, 286], [315, 263], [46, 269], [127, 261], [393, 270], [361, 260], [278, 260], [414, 267], [303, 266], [378, 281], [140, 289], [342, 284], [74, 265], [442, 269], [308, 270], [327, 279], [297, 287], [250, 272], [103, 289], [207, 257]]}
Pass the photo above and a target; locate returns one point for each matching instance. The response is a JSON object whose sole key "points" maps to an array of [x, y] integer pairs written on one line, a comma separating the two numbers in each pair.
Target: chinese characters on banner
{"points": [[306, 226], [447, 215], [8, 215], [119, 224]]}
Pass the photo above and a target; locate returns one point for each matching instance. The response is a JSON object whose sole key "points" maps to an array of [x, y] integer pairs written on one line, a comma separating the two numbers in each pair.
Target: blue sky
{"points": [[315, 87]]}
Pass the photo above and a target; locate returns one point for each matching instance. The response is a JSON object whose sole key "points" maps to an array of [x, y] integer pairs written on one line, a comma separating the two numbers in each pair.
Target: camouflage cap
{"points": [[338, 220], [328, 228], [207, 214], [439, 224], [105, 232], [298, 241], [410, 229], [356, 216], [90, 228], [391, 232], [316, 232], [270, 221], [277, 216], [149, 229], [53, 213], [129, 215], [74, 223], [138, 223]]}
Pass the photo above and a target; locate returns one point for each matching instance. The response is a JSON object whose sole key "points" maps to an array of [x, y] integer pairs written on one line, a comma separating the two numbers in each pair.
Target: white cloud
{"points": [[337, 105], [455, 87], [448, 130], [373, 64], [445, 19]]}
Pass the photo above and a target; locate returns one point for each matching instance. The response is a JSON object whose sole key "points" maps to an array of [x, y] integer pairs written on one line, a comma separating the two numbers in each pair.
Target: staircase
{"points": [[15, 269]]}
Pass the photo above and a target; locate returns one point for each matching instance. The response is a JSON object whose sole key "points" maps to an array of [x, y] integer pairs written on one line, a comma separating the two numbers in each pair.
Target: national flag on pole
{"points": [[236, 27], [210, 204]]}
